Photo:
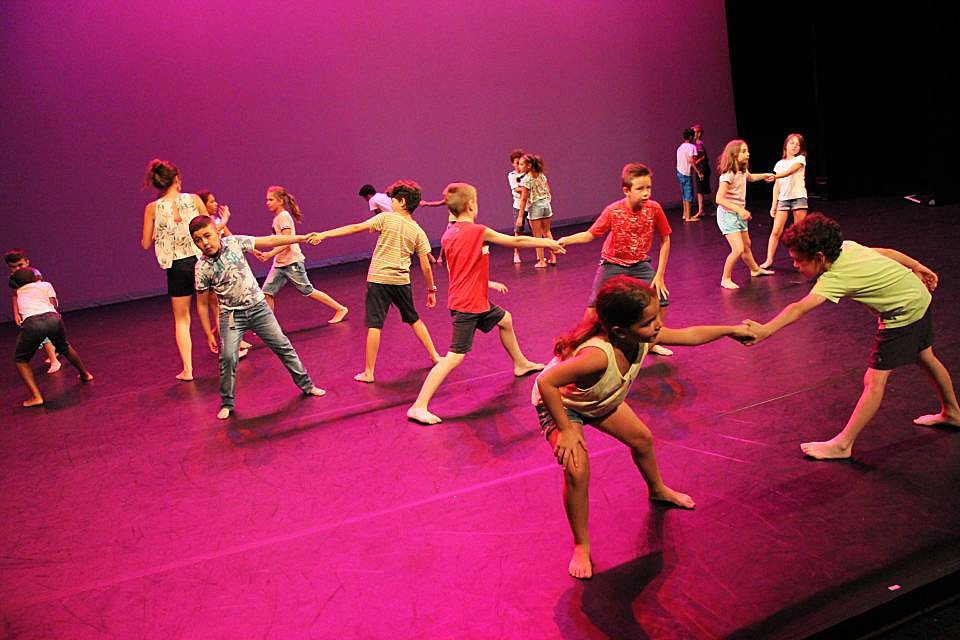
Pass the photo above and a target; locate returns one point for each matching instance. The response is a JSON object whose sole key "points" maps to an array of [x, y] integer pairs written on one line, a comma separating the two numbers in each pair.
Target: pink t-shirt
{"points": [[34, 299], [468, 262], [736, 189], [631, 232], [291, 253]]}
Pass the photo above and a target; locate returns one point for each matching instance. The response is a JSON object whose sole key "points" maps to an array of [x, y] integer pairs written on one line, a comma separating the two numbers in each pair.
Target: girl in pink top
{"points": [[288, 260], [732, 214]]}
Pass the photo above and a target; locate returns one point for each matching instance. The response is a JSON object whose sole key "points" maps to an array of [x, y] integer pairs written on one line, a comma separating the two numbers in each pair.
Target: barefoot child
{"points": [[587, 383], [514, 179], [35, 310], [789, 191], [732, 214], [388, 279], [894, 286], [223, 268], [468, 261], [630, 224], [288, 260], [17, 259]]}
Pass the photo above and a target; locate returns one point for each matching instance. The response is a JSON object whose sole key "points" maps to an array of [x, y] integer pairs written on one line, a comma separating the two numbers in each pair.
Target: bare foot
{"points": [[85, 377], [934, 419], [35, 401], [529, 367], [224, 413], [363, 376], [338, 316], [541, 265], [54, 366], [185, 376], [761, 272], [245, 345], [661, 350], [765, 264], [422, 416], [516, 258], [242, 353], [828, 450], [673, 497], [729, 284], [580, 566], [316, 391]]}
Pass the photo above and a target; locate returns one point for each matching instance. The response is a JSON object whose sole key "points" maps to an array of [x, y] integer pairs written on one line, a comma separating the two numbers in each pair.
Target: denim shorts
{"points": [[548, 426], [686, 186], [539, 211], [730, 222], [792, 204], [296, 273], [606, 270]]}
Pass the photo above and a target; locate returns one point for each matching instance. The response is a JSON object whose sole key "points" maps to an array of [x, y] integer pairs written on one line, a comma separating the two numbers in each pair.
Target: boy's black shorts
{"points": [[381, 296], [32, 332], [465, 324], [902, 345]]}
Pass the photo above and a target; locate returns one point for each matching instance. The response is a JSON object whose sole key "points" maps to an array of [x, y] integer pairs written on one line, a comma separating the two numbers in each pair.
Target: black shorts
{"points": [[465, 324], [180, 277], [701, 185], [381, 296], [902, 345], [34, 329]]}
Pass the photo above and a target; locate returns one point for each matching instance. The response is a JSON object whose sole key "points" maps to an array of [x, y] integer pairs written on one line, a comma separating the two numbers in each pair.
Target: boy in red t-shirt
{"points": [[631, 223], [468, 262]]}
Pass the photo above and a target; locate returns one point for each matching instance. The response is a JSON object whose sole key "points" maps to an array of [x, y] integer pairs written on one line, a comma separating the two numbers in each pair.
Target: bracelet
{"points": [[432, 290]]}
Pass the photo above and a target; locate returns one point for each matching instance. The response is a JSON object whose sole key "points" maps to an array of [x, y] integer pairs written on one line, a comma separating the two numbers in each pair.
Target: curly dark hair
{"points": [[815, 233], [408, 191]]}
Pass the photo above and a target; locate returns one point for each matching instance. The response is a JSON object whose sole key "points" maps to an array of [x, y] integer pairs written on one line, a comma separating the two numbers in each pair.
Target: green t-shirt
{"points": [[888, 288]]}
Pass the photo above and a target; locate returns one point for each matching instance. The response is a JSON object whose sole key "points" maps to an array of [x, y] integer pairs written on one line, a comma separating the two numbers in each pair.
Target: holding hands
{"points": [[314, 238], [755, 333]]}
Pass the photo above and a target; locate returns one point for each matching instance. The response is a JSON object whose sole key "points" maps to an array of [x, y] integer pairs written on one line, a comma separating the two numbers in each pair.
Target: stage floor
{"points": [[129, 511]]}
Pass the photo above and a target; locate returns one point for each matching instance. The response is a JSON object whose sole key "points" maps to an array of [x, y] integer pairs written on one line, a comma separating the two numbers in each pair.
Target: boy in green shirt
{"points": [[895, 287]]}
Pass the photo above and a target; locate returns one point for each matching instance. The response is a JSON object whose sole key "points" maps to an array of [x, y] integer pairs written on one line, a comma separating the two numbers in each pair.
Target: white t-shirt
{"points": [[34, 299], [381, 202], [685, 153], [793, 186], [514, 178]]}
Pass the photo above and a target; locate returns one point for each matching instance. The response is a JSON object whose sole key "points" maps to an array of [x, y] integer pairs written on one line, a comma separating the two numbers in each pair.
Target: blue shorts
{"points": [[791, 205], [686, 186], [548, 426], [606, 270], [539, 211], [296, 273], [730, 222]]}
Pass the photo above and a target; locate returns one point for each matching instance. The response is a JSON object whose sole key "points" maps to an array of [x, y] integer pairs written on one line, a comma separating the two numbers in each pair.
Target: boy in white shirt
{"points": [[35, 310], [685, 153]]}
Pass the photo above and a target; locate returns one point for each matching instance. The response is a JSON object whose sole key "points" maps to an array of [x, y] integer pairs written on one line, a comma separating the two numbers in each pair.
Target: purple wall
{"points": [[322, 97]]}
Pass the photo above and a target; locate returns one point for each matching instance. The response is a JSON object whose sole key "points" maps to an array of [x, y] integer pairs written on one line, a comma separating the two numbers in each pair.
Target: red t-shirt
{"points": [[631, 233], [468, 263]]}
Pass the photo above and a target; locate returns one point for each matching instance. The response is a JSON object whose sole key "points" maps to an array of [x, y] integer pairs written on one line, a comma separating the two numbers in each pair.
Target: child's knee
{"points": [[642, 441], [506, 322], [578, 475], [454, 359]]}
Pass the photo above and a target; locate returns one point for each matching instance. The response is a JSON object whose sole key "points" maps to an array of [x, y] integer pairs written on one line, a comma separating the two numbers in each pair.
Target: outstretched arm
{"points": [[347, 230], [521, 242], [790, 314], [693, 336], [789, 172], [577, 238], [928, 277], [264, 242], [147, 237], [766, 177], [433, 203]]}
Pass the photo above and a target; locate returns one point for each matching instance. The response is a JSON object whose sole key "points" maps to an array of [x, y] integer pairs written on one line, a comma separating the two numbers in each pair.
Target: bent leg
{"points": [[624, 425], [736, 250], [423, 335], [940, 378], [521, 366], [841, 445]]}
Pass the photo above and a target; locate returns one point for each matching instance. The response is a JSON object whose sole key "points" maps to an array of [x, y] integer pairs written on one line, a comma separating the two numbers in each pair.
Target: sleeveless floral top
{"points": [[171, 229]]}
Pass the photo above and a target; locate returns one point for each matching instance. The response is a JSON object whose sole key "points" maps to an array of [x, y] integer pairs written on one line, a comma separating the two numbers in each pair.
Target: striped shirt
{"points": [[400, 237]]}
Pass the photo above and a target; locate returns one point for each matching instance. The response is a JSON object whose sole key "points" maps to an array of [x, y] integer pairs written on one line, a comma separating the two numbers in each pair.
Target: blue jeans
{"points": [[260, 319]]}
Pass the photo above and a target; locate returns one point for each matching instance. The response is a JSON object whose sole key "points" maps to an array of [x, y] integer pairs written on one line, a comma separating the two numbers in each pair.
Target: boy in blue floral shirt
{"points": [[223, 268]]}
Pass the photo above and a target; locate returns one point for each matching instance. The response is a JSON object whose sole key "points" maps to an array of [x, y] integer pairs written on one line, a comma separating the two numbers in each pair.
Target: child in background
{"points": [[17, 259], [514, 178], [35, 311], [789, 191], [379, 202], [732, 215], [468, 261], [535, 200], [587, 383], [288, 260], [685, 153], [631, 223], [701, 169], [223, 268], [895, 287], [388, 279]]}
